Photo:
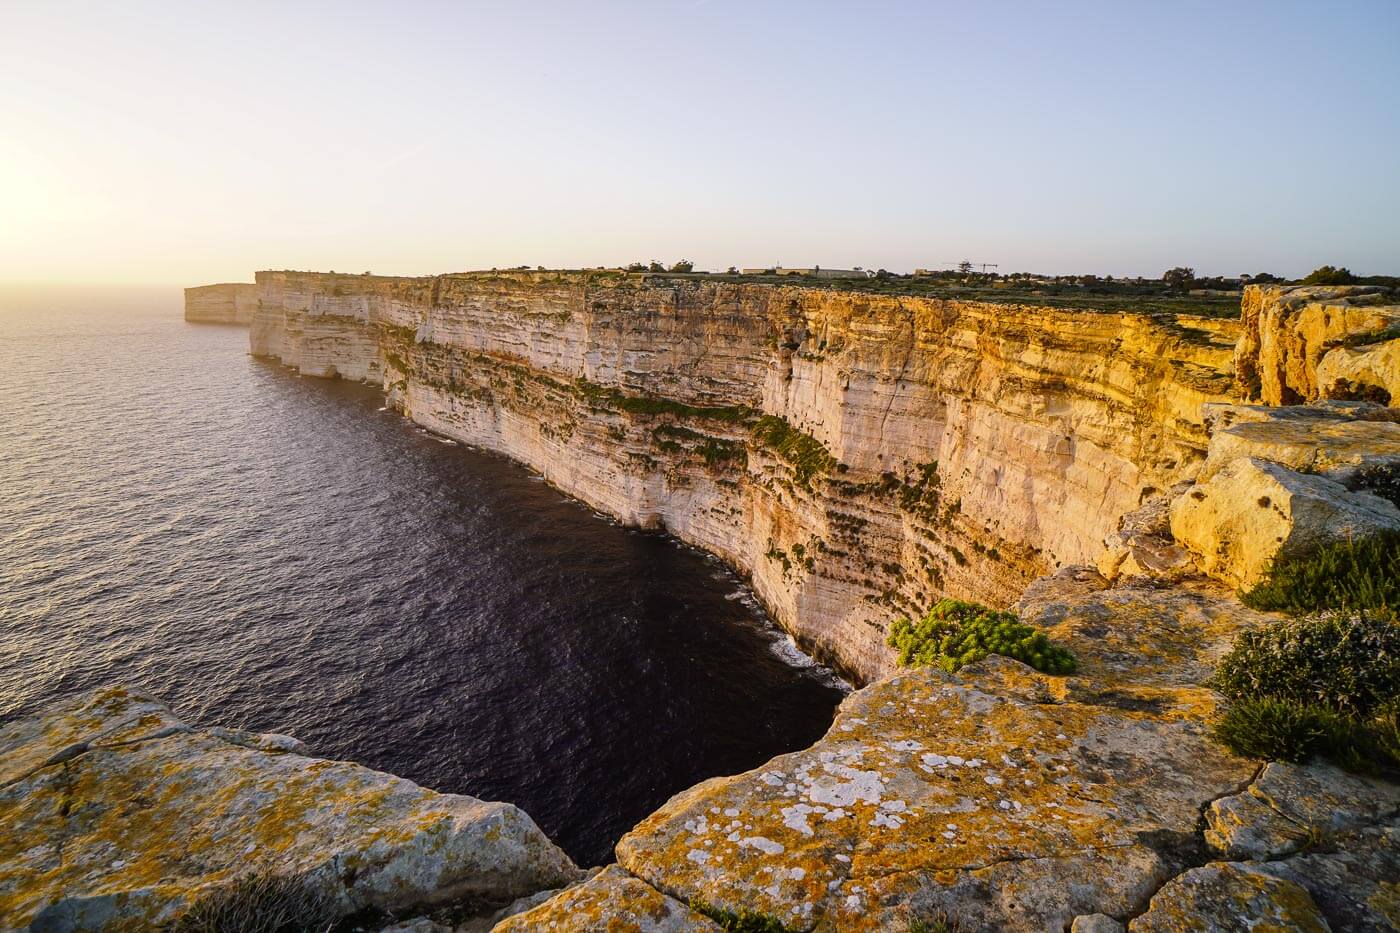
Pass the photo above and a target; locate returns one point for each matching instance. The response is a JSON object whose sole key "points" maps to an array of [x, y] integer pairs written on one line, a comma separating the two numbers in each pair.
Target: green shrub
{"points": [[1326, 684], [1285, 730], [1274, 729], [261, 903], [1359, 574], [1344, 661], [955, 633]]}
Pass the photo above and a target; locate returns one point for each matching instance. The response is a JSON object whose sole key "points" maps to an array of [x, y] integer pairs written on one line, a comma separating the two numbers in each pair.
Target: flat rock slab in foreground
{"points": [[114, 815], [1000, 799]]}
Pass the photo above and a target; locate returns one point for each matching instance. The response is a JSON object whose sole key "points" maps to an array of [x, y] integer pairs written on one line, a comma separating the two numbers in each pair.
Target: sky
{"points": [[190, 142]]}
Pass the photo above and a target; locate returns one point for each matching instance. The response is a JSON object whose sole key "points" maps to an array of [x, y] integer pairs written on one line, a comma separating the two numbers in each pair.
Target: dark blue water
{"points": [[282, 554]]}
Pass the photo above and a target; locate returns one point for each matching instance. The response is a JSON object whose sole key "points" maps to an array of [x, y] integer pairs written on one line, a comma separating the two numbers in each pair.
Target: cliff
{"points": [[883, 436], [857, 455], [227, 303]]}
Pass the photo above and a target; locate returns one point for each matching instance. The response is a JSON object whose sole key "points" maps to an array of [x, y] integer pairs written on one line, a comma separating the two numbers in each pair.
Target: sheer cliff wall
{"points": [[857, 455]]}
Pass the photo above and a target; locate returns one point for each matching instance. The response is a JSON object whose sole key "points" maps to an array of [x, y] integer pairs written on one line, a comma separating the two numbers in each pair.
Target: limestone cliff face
{"points": [[227, 303], [858, 455], [1303, 343]]}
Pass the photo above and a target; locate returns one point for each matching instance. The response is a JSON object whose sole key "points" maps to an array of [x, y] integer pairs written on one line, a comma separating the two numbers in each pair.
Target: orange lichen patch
{"points": [[611, 900]]}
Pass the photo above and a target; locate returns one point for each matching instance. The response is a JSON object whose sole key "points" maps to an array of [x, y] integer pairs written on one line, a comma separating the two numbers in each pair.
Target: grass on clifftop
{"points": [[1327, 684], [955, 633], [1363, 574]]}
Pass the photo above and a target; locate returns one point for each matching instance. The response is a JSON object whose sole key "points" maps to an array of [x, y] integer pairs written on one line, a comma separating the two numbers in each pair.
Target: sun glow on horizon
{"points": [[191, 143]]}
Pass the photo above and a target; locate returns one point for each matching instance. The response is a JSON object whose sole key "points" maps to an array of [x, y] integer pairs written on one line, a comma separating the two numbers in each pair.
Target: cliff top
{"points": [[1108, 298]]}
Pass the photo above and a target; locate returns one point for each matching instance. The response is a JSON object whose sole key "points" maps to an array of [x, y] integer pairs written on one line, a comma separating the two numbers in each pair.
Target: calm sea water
{"points": [[282, 554]]}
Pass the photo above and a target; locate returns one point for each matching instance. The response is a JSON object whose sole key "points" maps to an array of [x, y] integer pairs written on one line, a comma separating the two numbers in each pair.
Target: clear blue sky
{"points": [[188, 142]]}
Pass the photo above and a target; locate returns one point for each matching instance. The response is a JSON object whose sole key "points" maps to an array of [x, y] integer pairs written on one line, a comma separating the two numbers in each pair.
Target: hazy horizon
{"points": [[161, 145]]}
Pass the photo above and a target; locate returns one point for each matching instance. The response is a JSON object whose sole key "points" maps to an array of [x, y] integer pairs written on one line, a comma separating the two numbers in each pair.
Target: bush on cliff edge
{"points": [[1327, 684], [955, 633], [1354, 574]]}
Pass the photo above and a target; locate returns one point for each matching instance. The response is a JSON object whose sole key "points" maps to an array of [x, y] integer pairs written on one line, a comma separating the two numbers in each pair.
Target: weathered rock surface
{"points": [[957, 448], [611, 900], [1287, 807], [114, 815], [1095, 923], [226, 303], [1354, 878], [1253, 512], [1368, 370], [1229, 898], [1288, 332]]}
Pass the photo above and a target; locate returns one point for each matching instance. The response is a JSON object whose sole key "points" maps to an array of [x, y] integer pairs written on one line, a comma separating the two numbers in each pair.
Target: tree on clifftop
{"points": [[1330, 275], [1180, 278], [685, 265], [656, 266]]}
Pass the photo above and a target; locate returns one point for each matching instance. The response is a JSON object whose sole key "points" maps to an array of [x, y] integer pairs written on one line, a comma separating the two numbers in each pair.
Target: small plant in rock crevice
{"points": [[955, 633], [742, 920]]}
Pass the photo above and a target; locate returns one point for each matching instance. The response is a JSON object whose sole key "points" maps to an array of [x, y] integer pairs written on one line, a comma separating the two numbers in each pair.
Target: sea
{"points": [[284, 554]]}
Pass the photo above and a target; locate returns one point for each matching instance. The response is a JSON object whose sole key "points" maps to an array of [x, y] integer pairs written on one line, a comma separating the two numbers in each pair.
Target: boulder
{"points": [[1095, 923], [1225, 897], [1253, 512], [114, 815]]}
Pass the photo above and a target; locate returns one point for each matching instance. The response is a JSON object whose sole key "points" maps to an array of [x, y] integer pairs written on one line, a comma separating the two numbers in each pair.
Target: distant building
{"points": [[815, 272]]}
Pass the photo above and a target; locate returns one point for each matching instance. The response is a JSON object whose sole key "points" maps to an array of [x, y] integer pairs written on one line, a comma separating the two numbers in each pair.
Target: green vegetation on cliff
{"points": [[955, 633], [1326, 684], [807, 455], [609, 397], [1356, 574]]}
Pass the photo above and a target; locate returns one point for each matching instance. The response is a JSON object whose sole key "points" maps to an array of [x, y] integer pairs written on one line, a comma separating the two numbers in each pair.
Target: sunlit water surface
{"points": [[282, 554]]}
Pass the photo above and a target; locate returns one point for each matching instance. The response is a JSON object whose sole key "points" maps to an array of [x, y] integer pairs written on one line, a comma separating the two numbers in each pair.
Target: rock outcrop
{"points": [[1280, 482], [1302, 343], [226, 303], [857, 455], [114, 815]]}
